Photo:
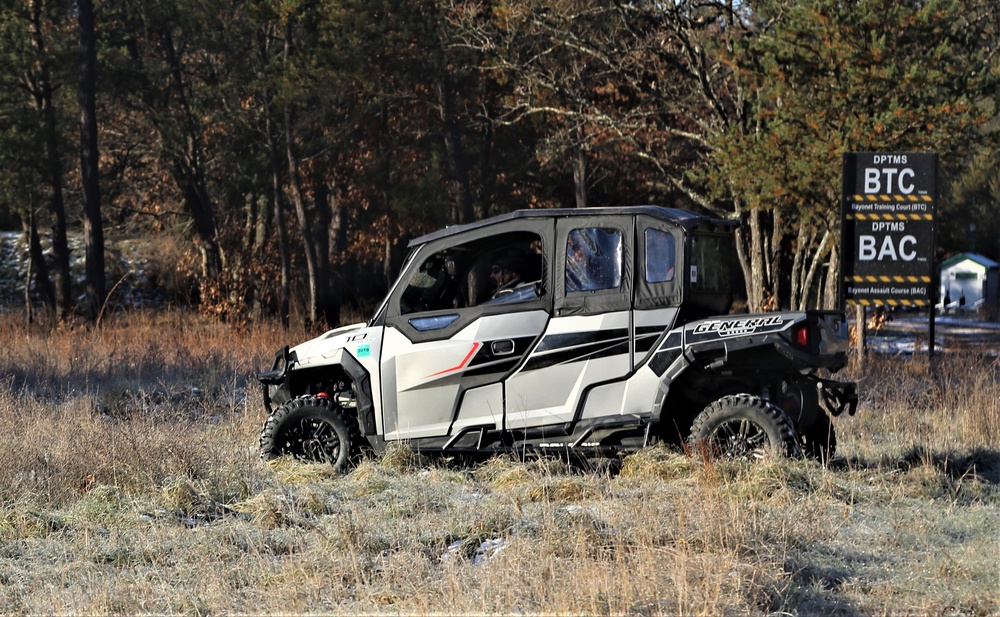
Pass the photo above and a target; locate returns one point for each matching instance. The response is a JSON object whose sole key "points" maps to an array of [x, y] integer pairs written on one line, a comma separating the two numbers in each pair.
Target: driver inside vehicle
{"points": [[505, 275], [512, 281]]}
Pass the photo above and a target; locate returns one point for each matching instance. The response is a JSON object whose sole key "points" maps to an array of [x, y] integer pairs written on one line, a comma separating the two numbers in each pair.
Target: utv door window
{"points": [[659, 271], [593, 259], [426, 289], [502, 269], [660, 256]]}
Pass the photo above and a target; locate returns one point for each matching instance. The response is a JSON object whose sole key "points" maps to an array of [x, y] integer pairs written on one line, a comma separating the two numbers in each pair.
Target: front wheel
{"points": [[743, 426], [313, 429]]}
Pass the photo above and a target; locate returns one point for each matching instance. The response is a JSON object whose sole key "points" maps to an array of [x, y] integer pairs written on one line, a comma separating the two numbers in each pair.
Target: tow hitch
{"points": [[836, 397]]}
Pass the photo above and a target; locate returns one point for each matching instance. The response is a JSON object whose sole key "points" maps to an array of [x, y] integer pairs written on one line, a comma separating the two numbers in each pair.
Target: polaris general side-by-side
{"points": [[599, 330]]}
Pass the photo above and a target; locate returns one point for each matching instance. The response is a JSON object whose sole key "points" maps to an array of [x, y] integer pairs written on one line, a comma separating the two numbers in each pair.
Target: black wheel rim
{"points": [[312, 439], [741, 438]]}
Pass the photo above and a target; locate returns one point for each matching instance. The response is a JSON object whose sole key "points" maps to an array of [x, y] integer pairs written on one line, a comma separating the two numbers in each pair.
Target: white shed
{"points": [[970, 281]]}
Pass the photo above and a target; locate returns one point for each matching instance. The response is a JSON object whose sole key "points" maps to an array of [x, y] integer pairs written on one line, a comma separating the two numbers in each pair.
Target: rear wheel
{"points": [[313, 429], [743, 426]]}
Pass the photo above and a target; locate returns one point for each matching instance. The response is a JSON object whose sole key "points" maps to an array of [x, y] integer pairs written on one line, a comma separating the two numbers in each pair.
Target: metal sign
{"points": [[887, 228]]}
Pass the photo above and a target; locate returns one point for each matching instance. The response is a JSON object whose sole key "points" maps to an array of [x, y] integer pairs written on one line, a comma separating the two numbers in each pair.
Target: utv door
{"points": [[588, 340], [659, 285], [451, 338]]}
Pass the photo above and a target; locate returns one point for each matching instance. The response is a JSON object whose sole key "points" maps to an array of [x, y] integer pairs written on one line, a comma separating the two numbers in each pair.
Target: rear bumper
{"points": [[836, 397]]}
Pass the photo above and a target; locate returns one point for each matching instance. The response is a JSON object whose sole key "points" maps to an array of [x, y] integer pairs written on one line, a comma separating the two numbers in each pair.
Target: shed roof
{"points": [[986, 262]]}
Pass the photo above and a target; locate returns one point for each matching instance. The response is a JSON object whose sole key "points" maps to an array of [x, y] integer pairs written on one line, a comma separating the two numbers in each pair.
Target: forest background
{"points": [[273, 157]]}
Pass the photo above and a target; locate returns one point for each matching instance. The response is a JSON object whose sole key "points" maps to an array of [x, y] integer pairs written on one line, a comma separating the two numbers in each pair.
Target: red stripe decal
{"points": [[461, 365]]}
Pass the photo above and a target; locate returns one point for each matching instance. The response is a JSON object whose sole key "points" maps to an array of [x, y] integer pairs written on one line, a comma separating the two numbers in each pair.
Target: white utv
{"points": [[599, 330]]}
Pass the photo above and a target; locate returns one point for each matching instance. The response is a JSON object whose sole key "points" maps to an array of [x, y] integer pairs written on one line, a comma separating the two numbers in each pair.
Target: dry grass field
{"points": [[131, 484]]}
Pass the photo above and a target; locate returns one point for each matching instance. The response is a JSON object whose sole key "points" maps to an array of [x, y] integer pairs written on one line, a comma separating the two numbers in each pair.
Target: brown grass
{"points": [[132, 485]]}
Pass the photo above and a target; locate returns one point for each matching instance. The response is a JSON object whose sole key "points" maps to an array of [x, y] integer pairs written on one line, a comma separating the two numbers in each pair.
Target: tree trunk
{"points": [[277, 195], [743, 259], [773, 280], [805, 266], [756, 271], [463, 212], [38, 267], [262, 228], [759, 252], [29, 307], [251, 221], [385, 162], [814, 262], [337, 245], [831, 291], [579, 168], [487, 172], [330, 308], [54, 171], [189, 173], [305, 231], [199, 204], [255, 231], [298, 201], [279, 221], [803, 244], [93, 228], [861, 341]]}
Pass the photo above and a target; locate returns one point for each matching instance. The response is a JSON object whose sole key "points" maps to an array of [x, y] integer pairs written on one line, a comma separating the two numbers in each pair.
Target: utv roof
{"points": [[683, 218]]}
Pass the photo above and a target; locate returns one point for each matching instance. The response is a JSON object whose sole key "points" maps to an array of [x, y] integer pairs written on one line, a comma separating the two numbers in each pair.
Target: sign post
{"points": [[888, 208]]}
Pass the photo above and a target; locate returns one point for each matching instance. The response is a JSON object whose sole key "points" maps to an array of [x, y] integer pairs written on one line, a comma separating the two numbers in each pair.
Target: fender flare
{"points": [[675, 369], [363, 386]]}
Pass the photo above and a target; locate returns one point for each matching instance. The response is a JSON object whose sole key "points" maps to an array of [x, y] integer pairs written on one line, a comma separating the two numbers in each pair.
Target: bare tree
{"points": [[40, 85], [93, 227]]}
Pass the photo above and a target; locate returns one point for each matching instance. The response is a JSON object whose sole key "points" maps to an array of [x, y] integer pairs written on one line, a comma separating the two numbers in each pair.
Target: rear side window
{"points": [[593, 259], [711, 263]]}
